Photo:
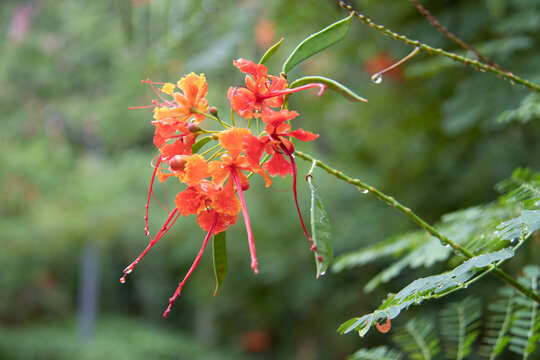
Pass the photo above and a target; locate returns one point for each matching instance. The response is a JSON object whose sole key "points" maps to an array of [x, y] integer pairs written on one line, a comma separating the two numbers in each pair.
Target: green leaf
{"points": [[219, 252], [318, 42], [330, 84], [270, 51], [199, 144], [321, 231]]}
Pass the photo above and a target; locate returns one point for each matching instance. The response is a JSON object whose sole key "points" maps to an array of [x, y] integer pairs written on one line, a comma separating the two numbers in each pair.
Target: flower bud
{"points": [[213, 110], [178, 162], [193, 128]]}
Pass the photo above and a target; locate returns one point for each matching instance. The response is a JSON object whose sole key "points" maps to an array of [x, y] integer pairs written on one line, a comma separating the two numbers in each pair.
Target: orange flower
{"points": [[191, 102]]}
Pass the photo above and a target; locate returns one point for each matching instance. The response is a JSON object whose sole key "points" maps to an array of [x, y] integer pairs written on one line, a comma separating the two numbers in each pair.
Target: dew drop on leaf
{"points": [[377, 79]]}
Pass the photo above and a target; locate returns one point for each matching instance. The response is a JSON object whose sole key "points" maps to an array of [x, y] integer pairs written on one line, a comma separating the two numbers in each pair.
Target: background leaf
{"points": [[271, 51], [321, 230], [318, 42], [330, 84], [219, 252]]}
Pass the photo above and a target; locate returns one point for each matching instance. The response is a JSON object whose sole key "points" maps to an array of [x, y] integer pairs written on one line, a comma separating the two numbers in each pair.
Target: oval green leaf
{"points": [[318, 42], [219, 252], [199, 144], [320, 230], [330, 84], [271, 51]]}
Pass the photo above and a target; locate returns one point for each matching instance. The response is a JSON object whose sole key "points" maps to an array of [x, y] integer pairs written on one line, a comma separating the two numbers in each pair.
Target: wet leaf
{"points": [[318, 42], [271, 51], [320, 230], [330, 84], [219, 252]]}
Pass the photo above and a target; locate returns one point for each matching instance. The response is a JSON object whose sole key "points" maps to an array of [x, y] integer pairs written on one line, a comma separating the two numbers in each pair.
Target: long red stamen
{"points": [[146, 228], [251, 241], [295, 172], [193, 266], [293, 90], [141, 107], [164, 229]]}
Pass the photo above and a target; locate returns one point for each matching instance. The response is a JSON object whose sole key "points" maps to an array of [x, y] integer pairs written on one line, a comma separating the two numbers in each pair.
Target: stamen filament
{"points": [[251, 241], [150, 192], [293, 90], [164, 229], [295, 173], [193, 266]]}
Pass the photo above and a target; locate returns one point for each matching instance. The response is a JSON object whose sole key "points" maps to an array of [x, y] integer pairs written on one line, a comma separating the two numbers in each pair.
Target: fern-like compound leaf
{"points": [[460, 327], [426, 288], [377, 353], [417, 338]]}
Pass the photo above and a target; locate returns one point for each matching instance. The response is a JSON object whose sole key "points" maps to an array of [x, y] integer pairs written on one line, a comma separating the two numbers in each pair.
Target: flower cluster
{"points": [[216, 179]]}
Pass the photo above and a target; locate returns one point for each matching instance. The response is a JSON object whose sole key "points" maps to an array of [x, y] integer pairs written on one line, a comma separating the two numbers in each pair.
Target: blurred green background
{"points": [[75, 168]]}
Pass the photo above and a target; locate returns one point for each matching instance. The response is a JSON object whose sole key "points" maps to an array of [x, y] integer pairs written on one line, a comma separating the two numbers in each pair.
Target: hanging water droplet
{"points": [[447, 245], [362, 190], [122, 279], [128, 270], [377, 79], [323, 273]]}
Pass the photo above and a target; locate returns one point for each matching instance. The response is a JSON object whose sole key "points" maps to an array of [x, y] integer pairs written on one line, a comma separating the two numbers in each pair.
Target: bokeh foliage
{"points": [[435, 134]]}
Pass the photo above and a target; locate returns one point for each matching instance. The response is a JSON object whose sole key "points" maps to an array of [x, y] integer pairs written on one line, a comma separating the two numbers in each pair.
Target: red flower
{"points": [[259, 92], [277, 144], [232, 166], [262, 91]]}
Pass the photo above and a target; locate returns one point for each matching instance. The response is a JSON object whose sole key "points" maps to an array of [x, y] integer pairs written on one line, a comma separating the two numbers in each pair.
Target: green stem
{"points": [[437, 51], [197, 111], [417, 220]]}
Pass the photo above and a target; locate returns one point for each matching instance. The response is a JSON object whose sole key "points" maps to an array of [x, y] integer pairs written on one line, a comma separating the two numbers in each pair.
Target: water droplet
{"points": [[122, 279], [128, 270], [513, 240], [323, 273], [377, 79], [447, 245], [362, 190]]}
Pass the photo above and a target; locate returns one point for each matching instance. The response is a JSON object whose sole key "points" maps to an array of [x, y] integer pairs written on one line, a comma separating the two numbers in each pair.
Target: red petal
{"points": [[278, 165], [254, 149], [206, 218], [303, 135]]}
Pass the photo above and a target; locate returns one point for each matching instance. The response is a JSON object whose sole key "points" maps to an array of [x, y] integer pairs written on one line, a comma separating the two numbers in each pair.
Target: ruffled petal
{"points": [[218, 172], [232, 140], [226, 202], [253, 148], [190, 201], [302, 135], [206, 219], [196, 170], [278, 165]]}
